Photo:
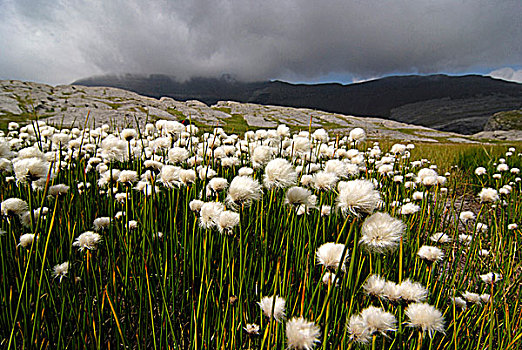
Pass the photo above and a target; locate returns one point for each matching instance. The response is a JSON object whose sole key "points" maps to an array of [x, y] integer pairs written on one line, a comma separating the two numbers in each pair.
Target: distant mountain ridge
{"points": [[460, 104]]}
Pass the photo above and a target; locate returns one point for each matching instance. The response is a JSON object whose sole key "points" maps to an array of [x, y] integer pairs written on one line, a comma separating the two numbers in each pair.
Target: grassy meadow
{"points": [[167, 237]]}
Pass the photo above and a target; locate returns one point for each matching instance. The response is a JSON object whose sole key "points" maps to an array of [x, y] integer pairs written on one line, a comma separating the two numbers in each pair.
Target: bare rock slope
{"points": [[70, 104]]}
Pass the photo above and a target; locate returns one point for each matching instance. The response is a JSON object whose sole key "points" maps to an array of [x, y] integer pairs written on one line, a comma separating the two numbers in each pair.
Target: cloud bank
{"points": [[60, 41], [508, 74]]}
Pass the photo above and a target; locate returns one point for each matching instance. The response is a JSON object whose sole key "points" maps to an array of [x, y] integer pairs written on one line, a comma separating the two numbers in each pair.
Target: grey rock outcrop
{"points": [[92, 106]]}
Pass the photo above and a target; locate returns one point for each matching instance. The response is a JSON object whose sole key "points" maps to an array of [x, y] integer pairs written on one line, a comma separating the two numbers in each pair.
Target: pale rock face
{"points": [[81, 100]]}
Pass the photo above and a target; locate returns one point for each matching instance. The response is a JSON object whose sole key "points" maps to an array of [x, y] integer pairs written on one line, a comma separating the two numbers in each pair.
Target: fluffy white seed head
{"points": [[227, 221], [26, 240], [13, 206], [60, 270], [101, 223], [488, 195], [87, 240], [381, 233], [358, 196], [273, 307], [209, 214], [297, 196], [490, 278], [243, 190], [279, 173], [329, 255], [430, 253], [301, 334], [425, 317], [374, 286], [412, 291], [378, 321], [440, 237], [409, 208]]}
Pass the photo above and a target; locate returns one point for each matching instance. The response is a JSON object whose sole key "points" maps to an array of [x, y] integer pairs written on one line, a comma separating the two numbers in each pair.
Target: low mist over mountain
{"points": [[461, 104]]}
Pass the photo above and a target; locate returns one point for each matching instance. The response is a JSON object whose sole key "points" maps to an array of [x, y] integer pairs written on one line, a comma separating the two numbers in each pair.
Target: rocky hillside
{"points": [[460, 104], [69, 104], [510, 120]]}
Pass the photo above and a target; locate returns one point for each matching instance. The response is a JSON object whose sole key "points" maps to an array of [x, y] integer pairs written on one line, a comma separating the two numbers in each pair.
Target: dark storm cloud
{"points": [[59, 41]]}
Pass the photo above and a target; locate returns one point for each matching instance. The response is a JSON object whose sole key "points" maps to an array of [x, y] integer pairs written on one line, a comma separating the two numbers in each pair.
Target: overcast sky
{"points": [[59, 41]]}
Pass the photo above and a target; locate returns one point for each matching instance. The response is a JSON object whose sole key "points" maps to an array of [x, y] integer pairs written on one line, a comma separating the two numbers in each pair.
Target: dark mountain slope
{"points": [[452, 103]]}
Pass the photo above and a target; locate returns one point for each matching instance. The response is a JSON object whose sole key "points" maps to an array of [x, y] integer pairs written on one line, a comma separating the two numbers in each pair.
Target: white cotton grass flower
{"points": [[227, 220], [60, 270], [398, 149], [329, 278], [13, 206], [218, 184], [480, 171], [426, 317], [481, 227], [58, 190], [204, 173], [132, 224], [466, 216], [273, 306], [409, 208], [502, 167], [307, 180], [490, 278], [513, 226], [101, 223], [378, 321], [459, 303], [301, 334], [261, 156], [391, 292], [465, 239], [243, 190], [357, 135], [30, 169], [245, 171], [374, 286], [430, 254], [483, 252], [330, 254], [325, 181], [170, 176], [471, 297], [297, 196], [326, 210], [417, 196], [440, 237], [252, 329], [425, 173], [177, 155], [358, 330], [485, 298], [187, 176], [488, 195], [209, 214], [196, 204], [412, 291], [128, 177], [358, 196], [381, 233], [128, 134], [385, 169], [341, 169], [87, 240], [279, 173], [26, 240]]}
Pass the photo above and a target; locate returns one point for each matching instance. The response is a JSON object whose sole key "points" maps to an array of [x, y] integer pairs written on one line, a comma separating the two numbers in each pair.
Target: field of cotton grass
{"points": [[166, 237]]}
